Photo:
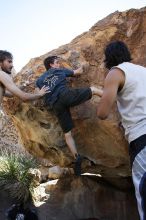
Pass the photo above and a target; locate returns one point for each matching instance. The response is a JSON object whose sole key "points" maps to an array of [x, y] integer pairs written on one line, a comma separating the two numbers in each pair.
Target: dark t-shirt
{"points": [[55, 78]]}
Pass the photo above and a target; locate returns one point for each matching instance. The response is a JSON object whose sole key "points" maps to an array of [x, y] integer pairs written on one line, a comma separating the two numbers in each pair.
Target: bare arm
{"points": [[114, 80], [21, 87], [6, 80]]}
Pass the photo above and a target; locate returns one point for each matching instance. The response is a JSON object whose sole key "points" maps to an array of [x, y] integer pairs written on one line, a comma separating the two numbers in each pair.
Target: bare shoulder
{"points": [[116, 73], [4, 76], [116, 76]]}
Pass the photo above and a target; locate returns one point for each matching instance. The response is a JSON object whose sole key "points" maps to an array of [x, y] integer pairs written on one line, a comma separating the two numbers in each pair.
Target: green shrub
{"points": [[15, 178]]}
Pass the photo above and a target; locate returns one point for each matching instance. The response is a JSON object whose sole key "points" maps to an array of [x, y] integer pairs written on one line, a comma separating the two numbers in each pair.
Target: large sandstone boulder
{"points": [[84, 198], [102, 142], [79, 199]]}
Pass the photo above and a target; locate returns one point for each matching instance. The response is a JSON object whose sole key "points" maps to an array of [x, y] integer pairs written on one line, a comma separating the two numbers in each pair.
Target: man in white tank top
{"points": [[126, 84]]}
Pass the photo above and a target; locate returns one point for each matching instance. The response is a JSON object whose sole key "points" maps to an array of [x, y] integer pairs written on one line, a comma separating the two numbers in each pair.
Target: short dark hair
{"points": [[49, 60], [116, 53], [4, 55]]}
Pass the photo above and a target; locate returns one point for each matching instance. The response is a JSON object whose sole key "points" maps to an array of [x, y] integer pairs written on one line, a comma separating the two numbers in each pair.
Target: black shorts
{"points": [[67, 99]]}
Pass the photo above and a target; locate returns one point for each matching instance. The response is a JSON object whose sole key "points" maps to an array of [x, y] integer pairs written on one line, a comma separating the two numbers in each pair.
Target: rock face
{"points": [[102, 142], [8, 135], [83, 198], [80, 199]]}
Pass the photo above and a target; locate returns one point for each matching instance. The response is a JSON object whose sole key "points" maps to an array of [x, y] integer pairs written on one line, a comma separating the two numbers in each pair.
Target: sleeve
{"points": [[68, 72]]}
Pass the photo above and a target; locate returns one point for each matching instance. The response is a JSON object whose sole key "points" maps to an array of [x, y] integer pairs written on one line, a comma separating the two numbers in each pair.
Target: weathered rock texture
{"points": [[79, 199], [102, 142], [9, 139], [84, 198]]}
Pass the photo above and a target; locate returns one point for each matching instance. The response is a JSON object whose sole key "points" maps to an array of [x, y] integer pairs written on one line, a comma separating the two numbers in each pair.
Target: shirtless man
{"points": [[8, 87]]}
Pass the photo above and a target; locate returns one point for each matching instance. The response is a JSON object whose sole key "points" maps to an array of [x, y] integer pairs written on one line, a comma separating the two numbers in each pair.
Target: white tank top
{"points": [[131, 100]]}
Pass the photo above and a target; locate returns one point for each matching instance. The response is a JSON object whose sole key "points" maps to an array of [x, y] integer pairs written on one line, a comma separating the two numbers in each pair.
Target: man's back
{"points": [[132, 100]]}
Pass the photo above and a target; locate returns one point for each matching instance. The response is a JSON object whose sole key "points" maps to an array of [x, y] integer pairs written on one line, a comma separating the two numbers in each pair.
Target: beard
{"points": [[7, 71]]}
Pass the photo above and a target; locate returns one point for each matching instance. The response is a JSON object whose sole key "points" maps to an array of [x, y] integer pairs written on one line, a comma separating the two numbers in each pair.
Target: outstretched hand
{"points": [[84, 67], [44, 90]]}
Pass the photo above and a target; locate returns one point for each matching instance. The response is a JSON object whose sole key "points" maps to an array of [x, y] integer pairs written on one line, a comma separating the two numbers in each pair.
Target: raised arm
{"points": [[8, 83], [84, 67], [113, 83], [21, 87]]}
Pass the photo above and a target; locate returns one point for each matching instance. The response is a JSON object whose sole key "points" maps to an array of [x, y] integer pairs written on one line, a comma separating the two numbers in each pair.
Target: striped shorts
{"points": [[138, 161]]}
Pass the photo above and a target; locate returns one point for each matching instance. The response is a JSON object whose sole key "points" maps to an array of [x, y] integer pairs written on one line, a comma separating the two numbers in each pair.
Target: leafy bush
{"points": [[15, 177]]}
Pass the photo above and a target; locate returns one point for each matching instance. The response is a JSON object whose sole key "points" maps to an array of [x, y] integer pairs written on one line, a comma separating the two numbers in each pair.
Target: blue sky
{"points": [[30, 28]]}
